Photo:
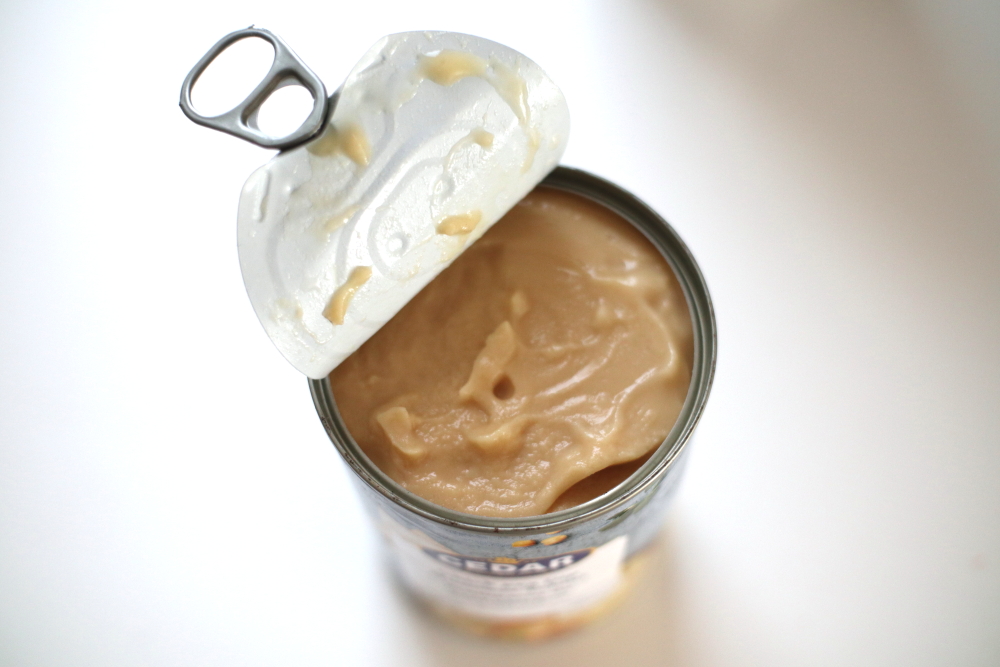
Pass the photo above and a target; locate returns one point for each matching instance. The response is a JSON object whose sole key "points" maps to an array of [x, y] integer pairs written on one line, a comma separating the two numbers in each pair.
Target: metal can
{"points": [[532, 577]]}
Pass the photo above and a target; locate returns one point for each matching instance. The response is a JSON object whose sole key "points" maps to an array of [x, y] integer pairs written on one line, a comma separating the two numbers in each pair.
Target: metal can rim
{"points": [[680, 259]]}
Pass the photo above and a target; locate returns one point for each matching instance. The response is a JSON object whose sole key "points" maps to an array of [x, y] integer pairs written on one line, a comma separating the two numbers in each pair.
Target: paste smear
{"points": [[533, 374]]}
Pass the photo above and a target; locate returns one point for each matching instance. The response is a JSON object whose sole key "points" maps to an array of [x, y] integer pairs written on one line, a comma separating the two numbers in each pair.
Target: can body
{"points": [[530, 577]]}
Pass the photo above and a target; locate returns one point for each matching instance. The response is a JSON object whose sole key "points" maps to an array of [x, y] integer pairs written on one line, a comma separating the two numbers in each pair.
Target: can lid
{"points": [[431, 139]]}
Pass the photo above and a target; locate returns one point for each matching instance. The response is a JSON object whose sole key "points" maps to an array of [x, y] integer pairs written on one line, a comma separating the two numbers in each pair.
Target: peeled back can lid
{"points": [[433, 137]]}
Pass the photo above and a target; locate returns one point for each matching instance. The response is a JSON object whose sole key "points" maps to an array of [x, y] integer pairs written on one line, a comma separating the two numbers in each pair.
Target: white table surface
{"points": [[168, 497]]}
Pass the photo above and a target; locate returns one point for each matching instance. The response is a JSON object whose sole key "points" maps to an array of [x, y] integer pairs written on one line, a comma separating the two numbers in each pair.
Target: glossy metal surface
{"points": [[287, 69]]}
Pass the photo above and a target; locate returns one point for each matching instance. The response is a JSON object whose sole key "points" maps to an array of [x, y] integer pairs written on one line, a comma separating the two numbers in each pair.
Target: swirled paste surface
{"points": [[555, 347]]}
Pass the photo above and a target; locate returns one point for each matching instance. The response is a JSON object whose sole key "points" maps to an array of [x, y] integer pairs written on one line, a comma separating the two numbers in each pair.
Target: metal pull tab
{"points": [[241, 121]]}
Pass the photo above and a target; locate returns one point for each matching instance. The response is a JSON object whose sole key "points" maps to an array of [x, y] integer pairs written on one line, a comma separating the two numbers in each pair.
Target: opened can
{"points": [[531, 577]]}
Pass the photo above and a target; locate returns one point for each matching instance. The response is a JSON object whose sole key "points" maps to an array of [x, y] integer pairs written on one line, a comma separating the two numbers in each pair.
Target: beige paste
{"points": [[448, 67], [533, 374], [459, 225], [350, 140], [336, 309]]}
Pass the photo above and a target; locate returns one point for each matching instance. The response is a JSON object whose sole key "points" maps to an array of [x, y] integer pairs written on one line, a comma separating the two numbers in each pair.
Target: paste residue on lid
{"points": [[448, 67], [341, 299], [457, 225], [349, 140]]}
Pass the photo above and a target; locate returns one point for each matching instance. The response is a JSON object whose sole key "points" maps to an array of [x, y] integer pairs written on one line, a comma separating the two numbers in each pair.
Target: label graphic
{"points": [[509, 567], [509, 588]]}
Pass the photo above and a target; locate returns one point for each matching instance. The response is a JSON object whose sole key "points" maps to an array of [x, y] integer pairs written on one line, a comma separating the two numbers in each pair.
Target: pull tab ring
{"points": [[241, 121]]}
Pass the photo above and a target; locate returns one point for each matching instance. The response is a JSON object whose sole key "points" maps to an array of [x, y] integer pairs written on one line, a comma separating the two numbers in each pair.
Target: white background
{"points": [[167, 496]]}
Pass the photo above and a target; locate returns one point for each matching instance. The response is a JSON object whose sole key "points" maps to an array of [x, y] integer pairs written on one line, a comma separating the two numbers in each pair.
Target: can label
{"points": [[511, 588]]}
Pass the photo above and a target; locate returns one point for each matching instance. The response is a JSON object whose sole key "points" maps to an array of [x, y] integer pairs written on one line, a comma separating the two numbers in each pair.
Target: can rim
{"points": [[680, 259]]}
